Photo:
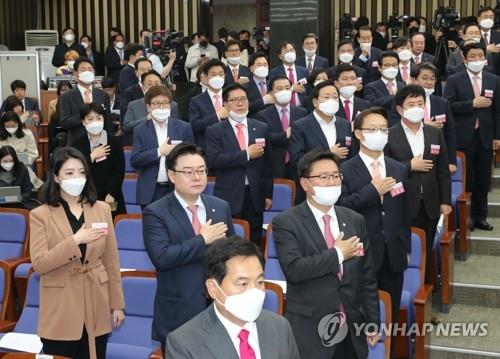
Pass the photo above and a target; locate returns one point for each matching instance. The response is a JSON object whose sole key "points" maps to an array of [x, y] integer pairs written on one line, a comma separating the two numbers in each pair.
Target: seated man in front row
{"points": [[234, 326]]}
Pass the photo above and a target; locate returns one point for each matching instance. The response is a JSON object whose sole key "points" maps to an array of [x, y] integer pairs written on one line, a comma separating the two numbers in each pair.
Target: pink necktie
{"points": [[285, 123], [218, 103], [235, 74], [427, 115], [330, 240], [417, 59], [405, 73], [195, 221], [390, 87], [241, 136], [477, 93], [309, 64], [263, 90], [291, 77], [246, 351], [376, 170], [347, 110]]}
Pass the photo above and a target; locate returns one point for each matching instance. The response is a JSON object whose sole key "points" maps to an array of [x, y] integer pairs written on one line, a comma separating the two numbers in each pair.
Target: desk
{"points": [[26, 356]]}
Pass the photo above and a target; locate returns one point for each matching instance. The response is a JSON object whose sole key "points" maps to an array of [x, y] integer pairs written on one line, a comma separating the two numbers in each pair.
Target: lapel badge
{"points": [[213, 210]]}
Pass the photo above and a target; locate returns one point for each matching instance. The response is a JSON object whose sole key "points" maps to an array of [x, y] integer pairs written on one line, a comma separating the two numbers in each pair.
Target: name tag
{"points": [[435, 149], [397, 189], [348, 141], [361, 250], [261, 142], [303, 82], [440, 118], [175, 142], [103, 226], [488, 93]]}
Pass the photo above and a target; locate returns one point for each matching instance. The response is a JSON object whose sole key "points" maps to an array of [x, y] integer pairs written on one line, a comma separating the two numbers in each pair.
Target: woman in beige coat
{"points": [[73, 248]]}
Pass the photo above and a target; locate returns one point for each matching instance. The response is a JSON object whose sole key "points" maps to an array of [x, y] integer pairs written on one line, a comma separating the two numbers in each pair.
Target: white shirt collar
{"points": [[233, 330], [318, 215], [163, 126], [407, 129], [185, 205], [367, 160], [385, 81], [279, 108], [471, 75], [234, 123], [323, 122], [351, 100], [211, 93]]}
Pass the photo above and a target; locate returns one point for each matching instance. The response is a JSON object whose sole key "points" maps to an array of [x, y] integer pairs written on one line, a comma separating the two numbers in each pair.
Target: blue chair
{"points": [[14, 224], [210, 186], [128, 232], [382, 349], [127, 151], [241, 228], [129, 189], [5, 290], [272, 268], [274, 298], [133, 340], [461, 206], [283, 198]]}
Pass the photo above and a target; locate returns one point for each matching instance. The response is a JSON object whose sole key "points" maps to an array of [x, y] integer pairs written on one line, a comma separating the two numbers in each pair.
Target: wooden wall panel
{"points": [[16, 16]]}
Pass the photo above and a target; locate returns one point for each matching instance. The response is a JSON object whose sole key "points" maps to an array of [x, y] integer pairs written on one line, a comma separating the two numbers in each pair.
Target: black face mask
{"points": [[203, 43]]}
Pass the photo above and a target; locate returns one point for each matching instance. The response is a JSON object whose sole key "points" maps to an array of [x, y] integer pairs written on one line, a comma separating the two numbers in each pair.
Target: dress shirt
{"points": [[329, 129], [212, 94], [351, 106], [479, 80], [296, 94], [161, 135], [245, 133], [200, 210], [367, 160], [279, 108], [416, 140], [82, 91]]}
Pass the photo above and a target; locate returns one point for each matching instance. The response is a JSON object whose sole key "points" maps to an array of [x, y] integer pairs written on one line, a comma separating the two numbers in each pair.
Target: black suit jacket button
{"points": [[383, 213]]}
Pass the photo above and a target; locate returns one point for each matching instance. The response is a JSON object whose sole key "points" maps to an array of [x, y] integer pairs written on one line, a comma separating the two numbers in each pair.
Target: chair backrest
{"points": [[129, 188], [274, 298], [463, 168], [28, 321], [139, 290], [283, 194], [414, 275], [127, 151], [5, 288], [385, 318], [241, 228], [272, 267], [14, 233], [128, 231], [210, 186]]}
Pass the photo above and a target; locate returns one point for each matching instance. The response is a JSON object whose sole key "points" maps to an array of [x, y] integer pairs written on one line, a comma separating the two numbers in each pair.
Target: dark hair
{"points": [[364, 28], [180, 150], [230, 43], [143, 31], [307, 161], [273, 81], [108, 82], [88, 37], [212, 63], [91, 107], [400, 42], [472, 24], [380, 23], [131, 49], [115, 29], [343, 68], [11, 102], [416, 70], [194, 35], [68, 28], [244, 31], [233, 34], [62, 84], [142, 59], [157, 91], [388, 53], [223, 250], [472, 46], [422, 18], [412, 19], [415, 34], [7, 117], [150, 72], [255, 56], [317, 89], [9, 150], [315, 73], [17, 84], [113, 38], [222, 33], [80, 60], [484, 9], [51, 191], [409, 91], [306, 36], [345, 42], [234, 86], [284, 44], [359, 119]]}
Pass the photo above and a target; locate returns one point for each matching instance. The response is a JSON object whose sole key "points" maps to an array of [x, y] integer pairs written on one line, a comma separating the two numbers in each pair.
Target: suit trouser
{"points": [[345, 349], [75, 349], [422, 220], [252, 216], [479, 162]]}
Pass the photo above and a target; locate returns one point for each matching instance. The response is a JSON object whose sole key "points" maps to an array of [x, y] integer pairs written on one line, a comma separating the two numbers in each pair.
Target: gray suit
{"points": [[137, 113], [204, 336]]}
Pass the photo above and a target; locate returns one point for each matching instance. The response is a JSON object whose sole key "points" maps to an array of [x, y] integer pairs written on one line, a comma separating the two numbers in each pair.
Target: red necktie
{"points": [[195, 222], [285, 123], [405, 75], [246, 351], [291, 77], [263, 90], [347, 110], [241, 136]]}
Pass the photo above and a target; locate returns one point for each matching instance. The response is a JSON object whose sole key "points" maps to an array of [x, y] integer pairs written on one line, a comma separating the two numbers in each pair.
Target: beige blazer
{"points": [[71, 293]]}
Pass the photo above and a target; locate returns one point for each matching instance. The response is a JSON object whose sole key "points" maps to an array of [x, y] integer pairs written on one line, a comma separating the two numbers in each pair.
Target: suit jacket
{"points": [[177, 254], [389, 222], [137, 113], [320, 62], [277, 136], [359, 106], [360, 73], [243, 71], [424, 58], [206, 337], [301, 73], [434, 187], [399, 77], [72, 293], [201, 116], [256, 103], [132, 93], [194, 89], [377, 94], [128, 77], [70, 103], [144, 157], [313, 286], [98, 61], [308, 135], [371, 65], [61, 49], [30, 104], [113, 63], [231, 165], [459, 93]]}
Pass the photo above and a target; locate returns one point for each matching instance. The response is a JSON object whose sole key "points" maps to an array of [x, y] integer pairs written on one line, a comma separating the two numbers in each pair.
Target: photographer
{"points": [[198, 54]]}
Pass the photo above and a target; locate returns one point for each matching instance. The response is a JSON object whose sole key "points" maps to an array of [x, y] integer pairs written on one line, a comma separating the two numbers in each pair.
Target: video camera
{"points": [[445, 18], [395, 23], [346, 26], [162, 42]]}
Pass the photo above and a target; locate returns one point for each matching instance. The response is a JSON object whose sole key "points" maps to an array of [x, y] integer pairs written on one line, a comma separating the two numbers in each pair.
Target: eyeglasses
{"points": [[327, 176], [160, 104], [238, 99], [191, 173], [373, 130]]}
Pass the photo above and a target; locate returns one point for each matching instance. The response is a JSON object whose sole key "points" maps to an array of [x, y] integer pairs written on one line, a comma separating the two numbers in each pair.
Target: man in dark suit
{"points": [[153, 141], [417, 49], [114, 57], [346, 81], [473, 96], [235, 72], [279, 119], [382, 91], [221, 44], [296, 74], [239, 151], [128, 76], [177, 230], [326, 257], [422, 149], [71, 101], [345, 50], [69, 43], [135, 91], [206, 109], [311, 60], [246, 331], [490, 38], [367, 188], [402, 46], [18, 88], [259, 95], [366, 56]]}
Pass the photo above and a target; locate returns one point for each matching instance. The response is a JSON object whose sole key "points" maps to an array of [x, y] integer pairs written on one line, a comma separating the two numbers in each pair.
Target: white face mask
{"points": [[476, 40], [405, 55], [84, 44], [375, 141], [120, 45], [329, 107], [486, 23], [7, 165], [475, 66], [309, 52], [347, 91], [71, 64], [160, 114], [422, 28], [261, 72], [69, 37], [11, 130], [73, 186], [216, 82], [365, 46], [238, 117], [428, 92], [414, 114], [327, 196], [94, 127], [234, 60], [283, 97], [245, 306], [390, 72], [290, 57], [346, 58], [87, 77]]}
